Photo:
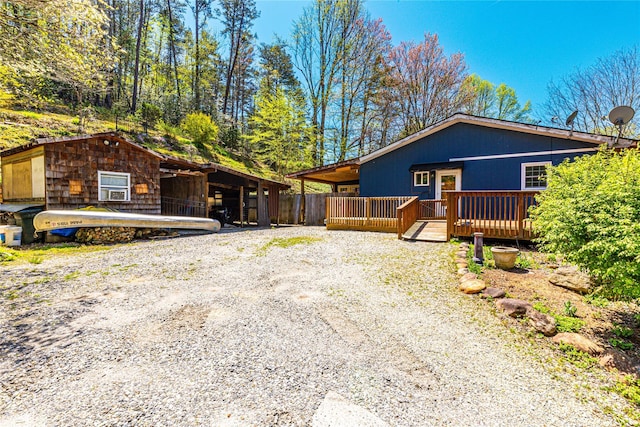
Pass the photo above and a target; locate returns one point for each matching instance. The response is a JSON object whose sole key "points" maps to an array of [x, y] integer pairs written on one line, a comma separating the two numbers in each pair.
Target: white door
{"points": [[448, 180]]}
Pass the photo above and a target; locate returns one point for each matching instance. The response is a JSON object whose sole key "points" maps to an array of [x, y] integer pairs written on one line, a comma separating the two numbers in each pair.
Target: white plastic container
{"points": [[13, 235]]}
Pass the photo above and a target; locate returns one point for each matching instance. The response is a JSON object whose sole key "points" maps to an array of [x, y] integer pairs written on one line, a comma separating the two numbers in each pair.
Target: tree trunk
{"points": [[172, 43], [136, 66], [196, 78]]}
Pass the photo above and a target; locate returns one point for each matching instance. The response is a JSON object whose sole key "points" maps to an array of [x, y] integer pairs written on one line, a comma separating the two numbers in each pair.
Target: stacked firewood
{"points": [[99, 235]]}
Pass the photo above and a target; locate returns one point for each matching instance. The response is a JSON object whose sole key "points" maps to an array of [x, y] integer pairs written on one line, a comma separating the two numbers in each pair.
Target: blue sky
{"points": [[524, 44]]}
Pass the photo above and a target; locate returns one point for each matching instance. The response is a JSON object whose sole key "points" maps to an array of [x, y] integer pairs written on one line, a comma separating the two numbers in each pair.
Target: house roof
{"points": [[166, 161], [109, 136], [499, 124], [345, 171], [171, 162]]}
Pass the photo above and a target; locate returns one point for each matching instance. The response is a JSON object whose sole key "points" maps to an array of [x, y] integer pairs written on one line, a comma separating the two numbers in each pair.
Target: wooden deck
{"points": [[427, 231], [497, 214]]}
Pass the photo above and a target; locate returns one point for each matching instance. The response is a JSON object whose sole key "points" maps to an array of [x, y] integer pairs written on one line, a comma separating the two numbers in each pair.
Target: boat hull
{"points": [[57, 219]]}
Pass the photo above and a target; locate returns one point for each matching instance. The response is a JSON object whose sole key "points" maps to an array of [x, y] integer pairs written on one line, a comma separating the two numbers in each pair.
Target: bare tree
{"points": [[594, 91], [426, 84]]}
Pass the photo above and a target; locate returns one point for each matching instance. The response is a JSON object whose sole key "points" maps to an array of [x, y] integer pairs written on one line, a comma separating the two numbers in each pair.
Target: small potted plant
{"points": [[504, 257]]}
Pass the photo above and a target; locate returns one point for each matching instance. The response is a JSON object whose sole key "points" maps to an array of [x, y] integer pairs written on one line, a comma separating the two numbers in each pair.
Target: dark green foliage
{"points": [[149, 115], [590, 212], [570, 310]]}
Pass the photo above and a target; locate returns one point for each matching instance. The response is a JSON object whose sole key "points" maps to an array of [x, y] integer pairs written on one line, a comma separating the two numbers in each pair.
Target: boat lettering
{"points": [[75, 222]]}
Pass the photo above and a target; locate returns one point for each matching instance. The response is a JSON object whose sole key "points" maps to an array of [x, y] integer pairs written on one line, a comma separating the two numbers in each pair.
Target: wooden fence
{"points": [[291, 208], [364, 213], [496, 214], [179, 207]]}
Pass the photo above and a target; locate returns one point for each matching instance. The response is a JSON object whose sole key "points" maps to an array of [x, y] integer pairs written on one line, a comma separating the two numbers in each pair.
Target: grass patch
{"points": [[36, 254], [629, 388], [72, 276], [286, 242], [596, 300], [621, 344], [622, 332], [563, 323], [578, 358], [11, 295]]}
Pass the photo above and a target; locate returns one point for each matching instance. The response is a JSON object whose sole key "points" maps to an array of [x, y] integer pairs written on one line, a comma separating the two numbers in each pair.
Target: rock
{"points": [[569, 277], [461, 254], [462, 264], [514, 307], [462, 271], [579, 342], [493, 293], [468, 276], [472, 286], [615, 359], [607, 361], [542, 322]]}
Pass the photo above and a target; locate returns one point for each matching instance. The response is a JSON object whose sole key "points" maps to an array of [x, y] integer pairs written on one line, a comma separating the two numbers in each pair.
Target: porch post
{"points": [[302, 202], [263, 212], [241, 206]]}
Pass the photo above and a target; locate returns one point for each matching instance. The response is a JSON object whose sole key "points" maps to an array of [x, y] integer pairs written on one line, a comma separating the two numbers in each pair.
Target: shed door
{"points": [[448, 180]]}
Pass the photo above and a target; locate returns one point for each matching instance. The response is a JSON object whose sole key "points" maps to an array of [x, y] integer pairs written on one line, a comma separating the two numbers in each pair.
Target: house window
{"points": [[113, 186], [348, 189], [421, 179], [534, 176]]}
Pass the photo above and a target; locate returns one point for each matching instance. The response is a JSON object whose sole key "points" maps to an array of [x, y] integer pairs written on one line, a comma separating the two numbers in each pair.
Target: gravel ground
{"points": [[228, 329]]}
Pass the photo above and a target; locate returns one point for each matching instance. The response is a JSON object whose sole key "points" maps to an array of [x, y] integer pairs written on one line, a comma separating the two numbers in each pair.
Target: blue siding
{"points": [[389, 174]]}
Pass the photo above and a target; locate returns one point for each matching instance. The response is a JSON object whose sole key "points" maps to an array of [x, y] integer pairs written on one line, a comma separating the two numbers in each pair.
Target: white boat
{"points": [[57, 219]]}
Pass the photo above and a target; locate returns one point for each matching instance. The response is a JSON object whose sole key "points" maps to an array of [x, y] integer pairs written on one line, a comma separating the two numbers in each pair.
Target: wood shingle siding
{"points": [[72, 174]]}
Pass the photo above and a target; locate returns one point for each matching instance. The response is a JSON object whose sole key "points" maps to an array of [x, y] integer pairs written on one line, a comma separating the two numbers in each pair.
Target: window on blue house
{"points": [[421, 179], [534, 176]]}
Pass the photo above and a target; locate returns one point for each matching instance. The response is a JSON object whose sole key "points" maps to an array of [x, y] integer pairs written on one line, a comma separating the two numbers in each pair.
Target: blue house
{"points": [[477, 173], [471, 153], [462, 152]]}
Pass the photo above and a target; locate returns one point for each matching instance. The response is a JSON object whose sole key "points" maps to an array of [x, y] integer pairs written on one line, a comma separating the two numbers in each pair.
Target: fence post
{"points": [[521, 214], [452, 209]]}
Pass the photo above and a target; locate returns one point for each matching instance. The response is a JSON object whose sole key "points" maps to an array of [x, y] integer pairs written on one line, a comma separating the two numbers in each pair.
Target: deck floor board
{"points": [[427, 231]]}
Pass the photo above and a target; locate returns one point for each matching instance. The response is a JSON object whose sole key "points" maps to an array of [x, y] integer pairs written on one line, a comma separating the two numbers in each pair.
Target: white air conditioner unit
{"points": [[118, 195]]}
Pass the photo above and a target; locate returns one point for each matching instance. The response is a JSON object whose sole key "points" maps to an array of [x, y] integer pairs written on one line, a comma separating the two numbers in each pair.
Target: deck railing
{"points": [[408, 213], [180, 207], [363, 213], [433, 209], [497, 214]]}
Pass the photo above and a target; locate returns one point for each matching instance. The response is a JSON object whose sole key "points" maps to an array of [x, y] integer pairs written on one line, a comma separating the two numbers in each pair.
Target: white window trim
{"points": [[422, 173], [127, 188], [523, 168]]}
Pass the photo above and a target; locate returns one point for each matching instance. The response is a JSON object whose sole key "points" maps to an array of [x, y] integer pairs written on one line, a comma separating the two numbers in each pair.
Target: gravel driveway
{"points": [[233, 329]]}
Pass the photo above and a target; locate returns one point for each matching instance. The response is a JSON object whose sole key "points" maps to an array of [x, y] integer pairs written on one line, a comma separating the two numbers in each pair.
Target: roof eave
{"points": [[491, 123]]}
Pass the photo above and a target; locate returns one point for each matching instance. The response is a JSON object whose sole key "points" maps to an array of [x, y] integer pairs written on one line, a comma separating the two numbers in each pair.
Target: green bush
{"points": [[200, 128], [590, 212], [148, 114]]}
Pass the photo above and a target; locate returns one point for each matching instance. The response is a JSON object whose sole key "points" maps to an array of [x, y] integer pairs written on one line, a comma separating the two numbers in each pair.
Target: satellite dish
{"points": [[621, 115], [571, 118]]}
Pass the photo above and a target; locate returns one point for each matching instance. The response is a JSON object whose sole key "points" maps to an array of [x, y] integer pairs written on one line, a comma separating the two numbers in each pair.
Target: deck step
{"points": [[427, 231]]}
